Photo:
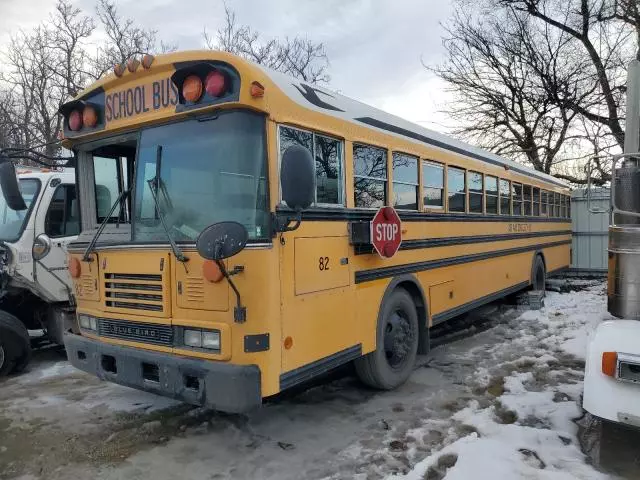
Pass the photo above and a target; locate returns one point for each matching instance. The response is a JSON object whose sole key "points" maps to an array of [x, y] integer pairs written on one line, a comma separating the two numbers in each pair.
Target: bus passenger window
{"points": [[474, 183], [433, 184], [544, 202], [455, 190], [568, 198], [369, 176], [563, 206], [536, 202], [505, 197], [527, 200], [405, 181], [327, 153], [491, 191], [516, 193], [556, 204]]}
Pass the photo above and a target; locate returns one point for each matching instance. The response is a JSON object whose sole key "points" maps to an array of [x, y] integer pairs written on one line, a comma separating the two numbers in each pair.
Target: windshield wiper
{"points": [[87, 253], [154, 186]]}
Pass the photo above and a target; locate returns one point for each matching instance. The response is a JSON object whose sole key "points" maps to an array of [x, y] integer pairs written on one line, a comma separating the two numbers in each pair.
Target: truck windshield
{"points": [[211, 169], [12, 222]]}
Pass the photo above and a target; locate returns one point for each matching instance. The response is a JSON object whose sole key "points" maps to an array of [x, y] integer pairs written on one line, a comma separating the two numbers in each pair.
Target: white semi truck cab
{"points": [[35, 289]]}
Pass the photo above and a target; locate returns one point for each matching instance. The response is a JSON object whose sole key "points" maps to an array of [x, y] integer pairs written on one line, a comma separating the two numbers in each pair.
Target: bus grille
{"points": [[134, 291], [136, 332], [194, 289], [88, 285]]}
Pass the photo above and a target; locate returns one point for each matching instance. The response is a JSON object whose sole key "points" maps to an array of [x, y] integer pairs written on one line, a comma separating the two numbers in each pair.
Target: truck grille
{"points": [[136, 332], [134, 291]]}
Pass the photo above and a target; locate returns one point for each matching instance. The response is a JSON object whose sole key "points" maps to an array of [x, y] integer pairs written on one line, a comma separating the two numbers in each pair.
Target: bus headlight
{"points": [[88, 323], [207, 339], [193, 338], [211, 340]]}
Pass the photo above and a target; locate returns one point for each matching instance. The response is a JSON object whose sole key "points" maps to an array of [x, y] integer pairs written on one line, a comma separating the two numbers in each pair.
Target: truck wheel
{"points": [[15, 344], [391, 363]]}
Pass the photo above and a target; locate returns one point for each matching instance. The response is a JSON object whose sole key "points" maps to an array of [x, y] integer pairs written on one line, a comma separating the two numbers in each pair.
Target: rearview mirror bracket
{"points": [[239, 311], [283, 224]]}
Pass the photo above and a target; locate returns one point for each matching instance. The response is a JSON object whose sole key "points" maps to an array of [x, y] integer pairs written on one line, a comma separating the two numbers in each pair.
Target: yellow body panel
{"points": [[307, 289], [321, 263]]}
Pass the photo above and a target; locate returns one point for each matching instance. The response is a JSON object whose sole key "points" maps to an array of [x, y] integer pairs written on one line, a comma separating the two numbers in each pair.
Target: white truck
{"points": [[612, 370], [39, 216]]}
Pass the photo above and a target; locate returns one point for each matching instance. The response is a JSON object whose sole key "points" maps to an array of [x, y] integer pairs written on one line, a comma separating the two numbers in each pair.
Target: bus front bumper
{"points": [[225, 387]]}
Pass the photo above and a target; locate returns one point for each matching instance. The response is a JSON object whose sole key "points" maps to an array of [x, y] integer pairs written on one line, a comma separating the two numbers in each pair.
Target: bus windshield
{"points": [[212, 169], [12, 222]]}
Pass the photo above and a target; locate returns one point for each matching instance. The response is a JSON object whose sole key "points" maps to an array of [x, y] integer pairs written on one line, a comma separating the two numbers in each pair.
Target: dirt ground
{"points": [[58, 423]]}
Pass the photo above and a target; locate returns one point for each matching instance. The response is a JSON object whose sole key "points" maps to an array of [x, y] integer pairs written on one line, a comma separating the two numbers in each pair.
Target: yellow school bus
{"points": [[226, 251]]}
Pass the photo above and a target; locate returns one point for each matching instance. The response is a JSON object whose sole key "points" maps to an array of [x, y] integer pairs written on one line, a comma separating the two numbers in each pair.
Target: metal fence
{"points": [[590, 232]]}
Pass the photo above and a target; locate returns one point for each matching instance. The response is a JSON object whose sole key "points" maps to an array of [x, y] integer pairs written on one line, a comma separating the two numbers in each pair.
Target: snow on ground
{"points": [[538, 437], [494, 399]]}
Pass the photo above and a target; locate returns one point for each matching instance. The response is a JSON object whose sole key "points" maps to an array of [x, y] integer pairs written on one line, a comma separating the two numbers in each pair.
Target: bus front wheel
{"points": [[391, 363]]}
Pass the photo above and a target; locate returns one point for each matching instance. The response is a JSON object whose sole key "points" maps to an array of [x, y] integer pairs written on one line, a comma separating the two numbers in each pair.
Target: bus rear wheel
{"points": [[539, 274], [391, 363]]}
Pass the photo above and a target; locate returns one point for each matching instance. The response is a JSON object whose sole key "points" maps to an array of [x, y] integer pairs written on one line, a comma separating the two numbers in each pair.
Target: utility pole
{"points": [[632, 129]]}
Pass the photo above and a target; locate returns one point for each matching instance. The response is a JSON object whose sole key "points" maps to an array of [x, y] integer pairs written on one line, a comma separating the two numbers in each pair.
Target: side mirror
{"points": [[222, 240], [41, 246], [297, 177], [10, 187]]}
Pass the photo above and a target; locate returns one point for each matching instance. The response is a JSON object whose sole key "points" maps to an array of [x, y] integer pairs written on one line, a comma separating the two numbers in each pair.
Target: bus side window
{"points": [[491, 192], [329, 170], [405, 181], [505, 197], [329, 162], [456, 192], [369, 176], [536, 202], [433, 184], [516, 193], [543, 203], [474, 184], [527, 200]]}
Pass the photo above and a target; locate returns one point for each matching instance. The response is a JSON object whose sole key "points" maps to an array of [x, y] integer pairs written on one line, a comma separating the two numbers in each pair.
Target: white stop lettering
{"points": [[386, 232]]}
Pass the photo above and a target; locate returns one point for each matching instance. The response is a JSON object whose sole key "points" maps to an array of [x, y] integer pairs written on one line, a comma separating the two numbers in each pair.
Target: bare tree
{"points": [[125, 39], [298, 56], [44, 67], [605, 46], [48, 65], [510, 86], [627, 11], [541, 81]]}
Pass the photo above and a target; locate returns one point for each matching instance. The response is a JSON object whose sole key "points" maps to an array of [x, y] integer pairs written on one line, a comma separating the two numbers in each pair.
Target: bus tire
{"points": [[15, 344], [391, 363], [538, 274]]}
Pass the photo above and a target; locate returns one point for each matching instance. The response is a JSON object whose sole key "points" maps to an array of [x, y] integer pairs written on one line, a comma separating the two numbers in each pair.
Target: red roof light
{"points": [[75, 120], [215, 84]]}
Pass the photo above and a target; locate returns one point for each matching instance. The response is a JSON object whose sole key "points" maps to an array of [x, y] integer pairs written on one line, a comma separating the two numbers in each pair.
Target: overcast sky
{"points": [[375, 46]]}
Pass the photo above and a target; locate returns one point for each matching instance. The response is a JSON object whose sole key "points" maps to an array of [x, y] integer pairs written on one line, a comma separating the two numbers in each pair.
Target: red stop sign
{"points": [[386, 232]]}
